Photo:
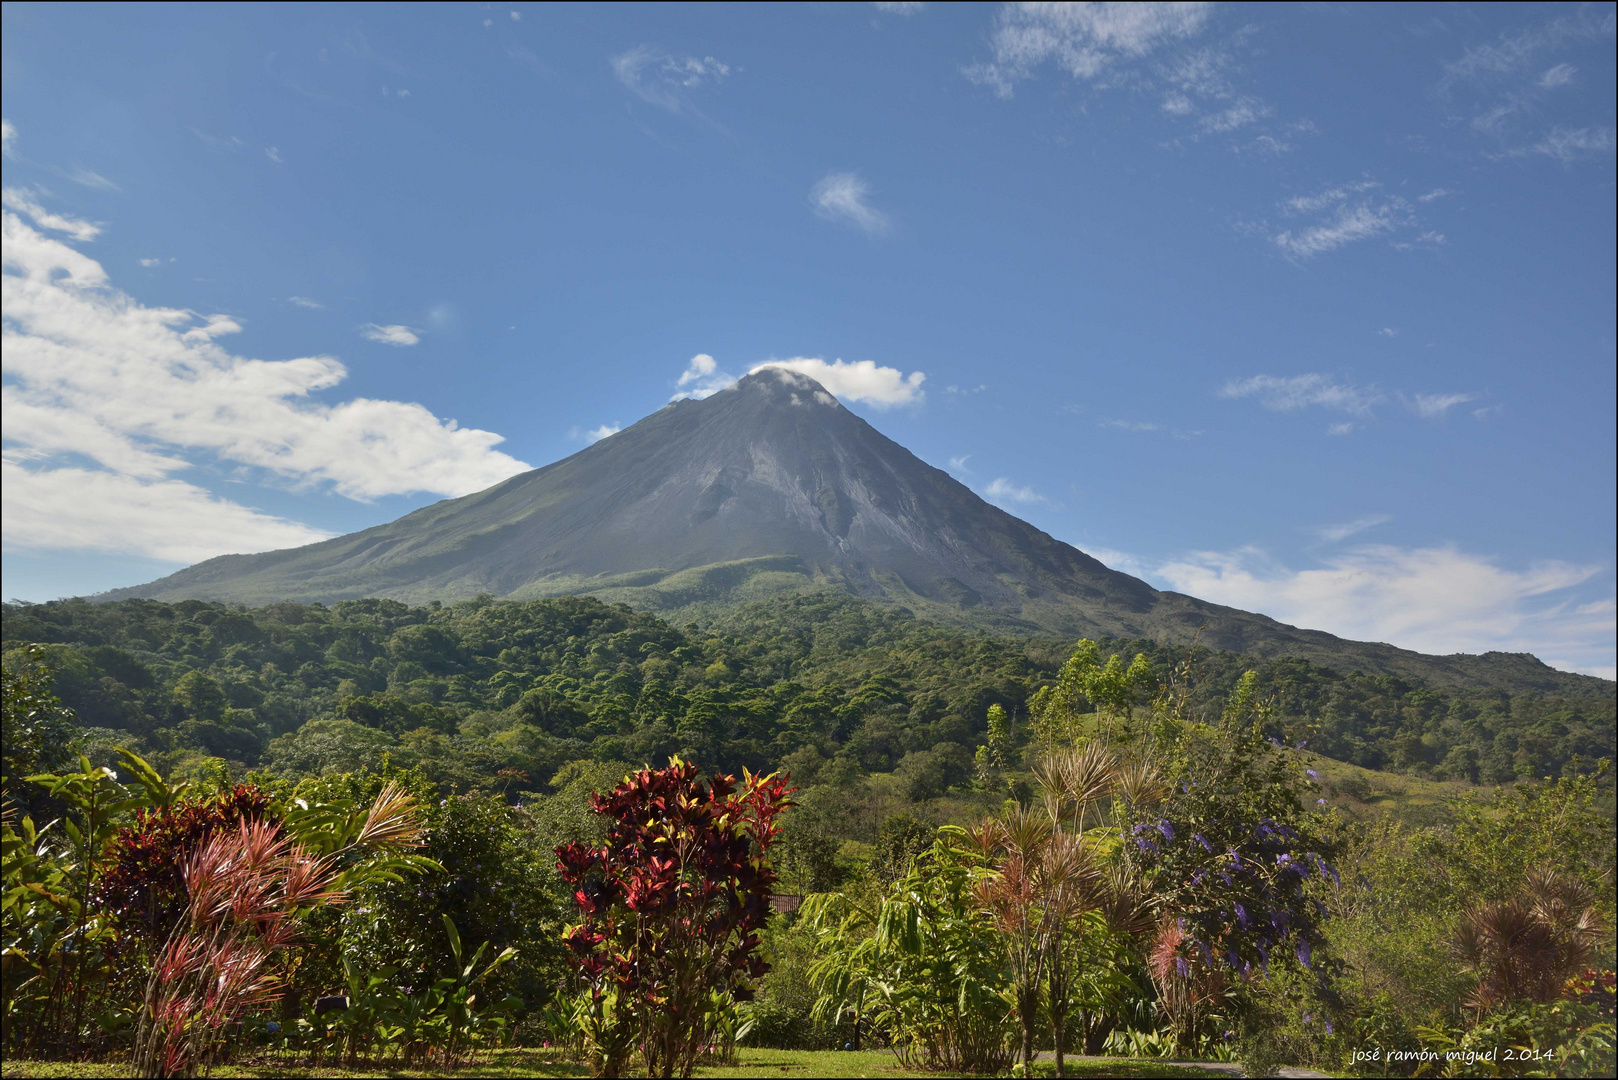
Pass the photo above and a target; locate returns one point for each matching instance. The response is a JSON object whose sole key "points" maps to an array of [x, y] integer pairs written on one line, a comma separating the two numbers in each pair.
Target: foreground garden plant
{"points": [[672, 902], [247, 889]]}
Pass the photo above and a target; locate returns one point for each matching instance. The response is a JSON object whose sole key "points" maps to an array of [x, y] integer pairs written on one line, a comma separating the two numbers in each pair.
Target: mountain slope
{"points": [[766, 487]]}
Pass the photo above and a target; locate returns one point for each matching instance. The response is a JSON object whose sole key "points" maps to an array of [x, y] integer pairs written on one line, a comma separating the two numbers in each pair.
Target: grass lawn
{"points": [[801, 1063]]}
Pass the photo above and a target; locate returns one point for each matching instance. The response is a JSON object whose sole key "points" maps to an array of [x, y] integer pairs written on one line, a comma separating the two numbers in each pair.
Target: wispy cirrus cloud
{"points": [[1345, 214], [1290, 393], [1343, 530], [394, 334], [1432, 405], [1511, 84], [843, 196], [1003, 490], [1084, 40], [1294, 393], [666, 81]]}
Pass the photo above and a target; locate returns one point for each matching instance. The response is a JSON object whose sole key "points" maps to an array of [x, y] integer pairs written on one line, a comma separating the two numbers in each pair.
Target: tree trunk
{"points": [[1059, 1030], [1028, 1013]]}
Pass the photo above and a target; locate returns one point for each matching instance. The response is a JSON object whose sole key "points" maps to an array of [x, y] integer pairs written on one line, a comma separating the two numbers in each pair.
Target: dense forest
{"points": [[489, 695], [1105, 847]]}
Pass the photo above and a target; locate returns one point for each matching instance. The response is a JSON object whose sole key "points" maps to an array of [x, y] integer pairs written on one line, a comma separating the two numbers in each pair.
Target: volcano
{"points": [[767, 487]]}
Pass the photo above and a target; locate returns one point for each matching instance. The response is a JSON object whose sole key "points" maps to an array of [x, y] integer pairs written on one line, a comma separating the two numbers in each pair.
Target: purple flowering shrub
{"points": [[1239, 855]]}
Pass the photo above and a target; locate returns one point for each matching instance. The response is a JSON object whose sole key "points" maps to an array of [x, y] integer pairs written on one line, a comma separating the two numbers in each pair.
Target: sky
{"points": [[1307, 310]]}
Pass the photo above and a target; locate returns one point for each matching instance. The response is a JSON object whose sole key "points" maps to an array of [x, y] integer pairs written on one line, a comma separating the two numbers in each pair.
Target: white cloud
{"points": [[959, 463], [90, 179], [1241, 114], [1346, 214], [843, 196], [1568, 145], [516, 16], [8, 137], [1001, 489], [1082, 39], [273, 153], [663, 80], [88, 510], [151, 262], [1387, 331], [1293, 392], [860, 380], [1345, 427], [389, 335], [703, 377], [1434, 195], [1514, 51], [1346, 225], [1509, 88], [1131, 425], [1435, 600], [1342, 531], [596, 434], [96, 375], [1432, 405], [902, 7], [305, 302], [23, 202], [1560, 75]]}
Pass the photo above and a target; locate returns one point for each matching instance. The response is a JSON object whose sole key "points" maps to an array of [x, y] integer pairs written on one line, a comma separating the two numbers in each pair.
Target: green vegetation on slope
{"points": [[497, 696]]}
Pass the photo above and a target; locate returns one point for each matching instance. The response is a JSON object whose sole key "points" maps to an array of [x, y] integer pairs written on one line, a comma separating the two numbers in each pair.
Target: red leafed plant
{"points": [[672, 906], [246, 887], [142, 886]]}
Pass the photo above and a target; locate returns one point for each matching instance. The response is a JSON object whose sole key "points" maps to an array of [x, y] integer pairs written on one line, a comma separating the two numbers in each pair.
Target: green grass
{"points": [[790, 1063]]}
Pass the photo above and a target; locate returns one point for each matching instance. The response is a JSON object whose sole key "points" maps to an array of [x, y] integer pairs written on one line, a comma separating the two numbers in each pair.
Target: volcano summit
{"points": [[767, 487]]}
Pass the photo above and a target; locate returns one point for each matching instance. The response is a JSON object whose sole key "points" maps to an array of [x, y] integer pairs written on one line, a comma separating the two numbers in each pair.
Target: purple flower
{"points": [[1182, 967], [1304, 951], [1312, 774], [1328, 1027], [1241, 915], [1146, 846], [1320, 802], [1233, 960], [1166, 829], [1203, 840]]}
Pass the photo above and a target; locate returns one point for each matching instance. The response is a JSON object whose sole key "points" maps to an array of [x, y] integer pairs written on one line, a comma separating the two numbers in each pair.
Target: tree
{"points": [[672, 901]]}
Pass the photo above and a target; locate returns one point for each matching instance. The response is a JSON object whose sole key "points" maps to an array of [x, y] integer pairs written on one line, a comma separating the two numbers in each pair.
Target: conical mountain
{"points": [[768, 486]]}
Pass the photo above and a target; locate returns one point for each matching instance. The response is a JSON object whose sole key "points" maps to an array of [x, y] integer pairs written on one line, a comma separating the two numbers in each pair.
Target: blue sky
{"points": [[1309, 310]]}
